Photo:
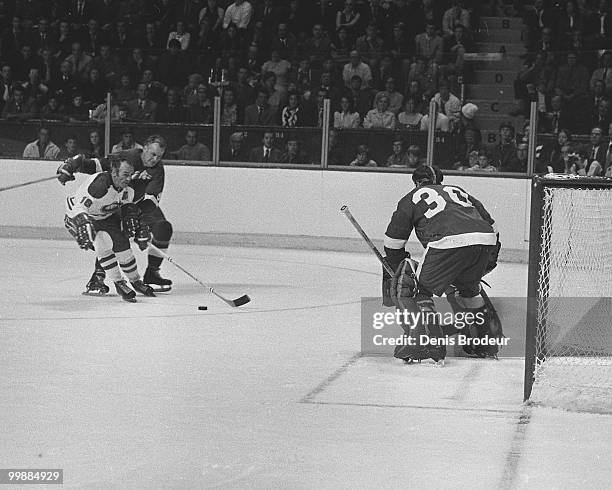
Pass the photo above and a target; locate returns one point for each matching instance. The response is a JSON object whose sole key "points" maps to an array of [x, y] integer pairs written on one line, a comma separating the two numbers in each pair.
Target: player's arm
{"points": [[78, 163], [397, 234], [80, 223], [153, 190]]}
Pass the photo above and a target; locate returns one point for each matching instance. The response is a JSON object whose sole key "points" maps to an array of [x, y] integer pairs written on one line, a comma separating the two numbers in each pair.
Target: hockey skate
{"points": [[126, 293], [96, 286], [144, 289], [158, 283]]}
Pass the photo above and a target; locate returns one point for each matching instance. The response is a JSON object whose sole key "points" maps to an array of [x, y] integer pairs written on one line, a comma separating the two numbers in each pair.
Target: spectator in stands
{"points": [[448, 104], [484, 162], [398, 157], [252, 61], [335, 153], [42, 148], [442, 123], [13, 38], [42, 37], [383, 71], [467, 121], [469, 145], [381, 117], [6, 84], [266, 153], [284, 42], [79, 62], [327, 83], [279, 67], [535, 18], [190, 92], [214, 13], [260, 113], [572, 82], [401, 48], [237, 151], [77, 111], [557, 117], [65, 84], [504, 155], [424, 75], [396, 100], [120, 39], [414, 157], [202, 111], [608, 158], [24, 62], [595, 153], [34, 89], [142, 109], [230, 112], [181, 35], [276, 97], [346, 117], [550, 156], [17, 108], [124, 92], [173, 65], [95, 147], [410, 118], [137, 64], [429, 45], [192, 150], [341, 46], [52, 110], [172, 110], [318, 46], [107, 65], [569, 20], [239, 14], [370, 46], [127, 142], [69, 149], [362, 159], [604, 73], [355, 67], [151, 41], [599, 25], [94, 90], [348, 18], [291, 116], [155, 88], [455, 48], [454, 16], [294, 152]]}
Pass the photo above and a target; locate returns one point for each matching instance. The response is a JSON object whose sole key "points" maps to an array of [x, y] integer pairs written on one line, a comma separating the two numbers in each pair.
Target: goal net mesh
{"points": [[573, 367]]}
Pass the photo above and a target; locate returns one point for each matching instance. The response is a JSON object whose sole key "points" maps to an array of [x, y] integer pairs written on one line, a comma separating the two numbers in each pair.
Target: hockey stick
{"points": [[244, 299], [345, 210], [15, 186]]}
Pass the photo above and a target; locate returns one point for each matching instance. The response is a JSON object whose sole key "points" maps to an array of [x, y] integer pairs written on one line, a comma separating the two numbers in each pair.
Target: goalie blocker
{"points": [[459, 239]]}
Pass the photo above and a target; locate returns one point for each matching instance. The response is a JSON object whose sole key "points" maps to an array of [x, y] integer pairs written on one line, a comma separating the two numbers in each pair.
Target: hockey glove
{"points": [[403, 284], [85, 232], [130, 220], [143, 237], [65, 172]]}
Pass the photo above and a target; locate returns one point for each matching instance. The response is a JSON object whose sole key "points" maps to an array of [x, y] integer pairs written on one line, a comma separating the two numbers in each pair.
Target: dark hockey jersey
{"points": [[147, 182], [443, 216]]}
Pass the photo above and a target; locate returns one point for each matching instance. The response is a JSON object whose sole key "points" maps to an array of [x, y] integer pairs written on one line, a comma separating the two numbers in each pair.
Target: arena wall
{"points": [[265, 207]]}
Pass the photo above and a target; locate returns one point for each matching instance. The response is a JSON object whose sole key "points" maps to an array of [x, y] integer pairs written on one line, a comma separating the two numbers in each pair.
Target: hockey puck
{"points": [[202, 308]]}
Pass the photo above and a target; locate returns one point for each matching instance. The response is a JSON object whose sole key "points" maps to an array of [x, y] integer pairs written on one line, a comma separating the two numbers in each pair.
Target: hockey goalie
{"points": [[461, 246]]}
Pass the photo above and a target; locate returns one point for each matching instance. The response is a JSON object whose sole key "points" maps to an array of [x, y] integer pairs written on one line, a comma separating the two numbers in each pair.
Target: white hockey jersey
{"points": [[98, 198]]}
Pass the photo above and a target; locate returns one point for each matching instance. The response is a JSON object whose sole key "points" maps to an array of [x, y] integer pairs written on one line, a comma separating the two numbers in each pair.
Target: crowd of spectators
{"points": [[274, 63], [568, 65]]}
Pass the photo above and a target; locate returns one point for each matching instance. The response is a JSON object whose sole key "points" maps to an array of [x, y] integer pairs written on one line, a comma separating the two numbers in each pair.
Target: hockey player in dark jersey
{"points": [[459, 239], [148, 185]]}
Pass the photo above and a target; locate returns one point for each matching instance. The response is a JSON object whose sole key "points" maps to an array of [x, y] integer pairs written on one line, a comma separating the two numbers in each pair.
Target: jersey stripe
{"points": [[464, 240], [396, 243]]}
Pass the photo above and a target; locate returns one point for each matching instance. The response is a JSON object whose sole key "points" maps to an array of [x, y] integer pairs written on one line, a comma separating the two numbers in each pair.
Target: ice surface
{"points": [[271, 395]]}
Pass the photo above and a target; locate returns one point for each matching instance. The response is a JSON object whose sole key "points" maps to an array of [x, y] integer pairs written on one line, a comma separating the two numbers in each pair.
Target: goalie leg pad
{"points": [[403, 284]]}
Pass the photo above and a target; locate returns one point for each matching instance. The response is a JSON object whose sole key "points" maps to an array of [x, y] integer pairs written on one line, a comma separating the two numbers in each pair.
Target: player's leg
{"points": [[161, 229], [125, 257], [103, 245], [468, 299]]}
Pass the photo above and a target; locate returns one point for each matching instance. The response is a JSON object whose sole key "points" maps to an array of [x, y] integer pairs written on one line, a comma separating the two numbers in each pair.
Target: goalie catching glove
{"points": [[81, 227], [65, 172]]}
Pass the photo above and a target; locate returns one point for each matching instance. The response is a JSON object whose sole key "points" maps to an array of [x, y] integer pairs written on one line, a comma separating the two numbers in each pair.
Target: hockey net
{"points": [[570, 361]]}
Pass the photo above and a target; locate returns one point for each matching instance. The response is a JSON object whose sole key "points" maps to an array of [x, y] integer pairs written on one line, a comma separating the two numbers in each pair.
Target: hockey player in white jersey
{"points": [[101, 216]]}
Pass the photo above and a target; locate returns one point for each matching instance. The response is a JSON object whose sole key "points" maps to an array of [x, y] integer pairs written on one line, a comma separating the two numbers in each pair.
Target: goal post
{"points": [[568, 349]]}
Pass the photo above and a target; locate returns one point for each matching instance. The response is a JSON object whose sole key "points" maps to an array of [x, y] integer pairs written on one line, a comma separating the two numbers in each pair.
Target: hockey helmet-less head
{"points": [[425, 174]]}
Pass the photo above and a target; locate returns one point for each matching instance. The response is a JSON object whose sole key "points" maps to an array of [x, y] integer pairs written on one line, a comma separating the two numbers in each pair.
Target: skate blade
{"points": [[159, 289], [95, 293], [129, 300], [439, 363]]}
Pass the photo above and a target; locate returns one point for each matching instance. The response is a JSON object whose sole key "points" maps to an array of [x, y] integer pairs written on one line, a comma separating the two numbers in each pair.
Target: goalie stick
{"points": [[345, 210], [242, 300]]}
